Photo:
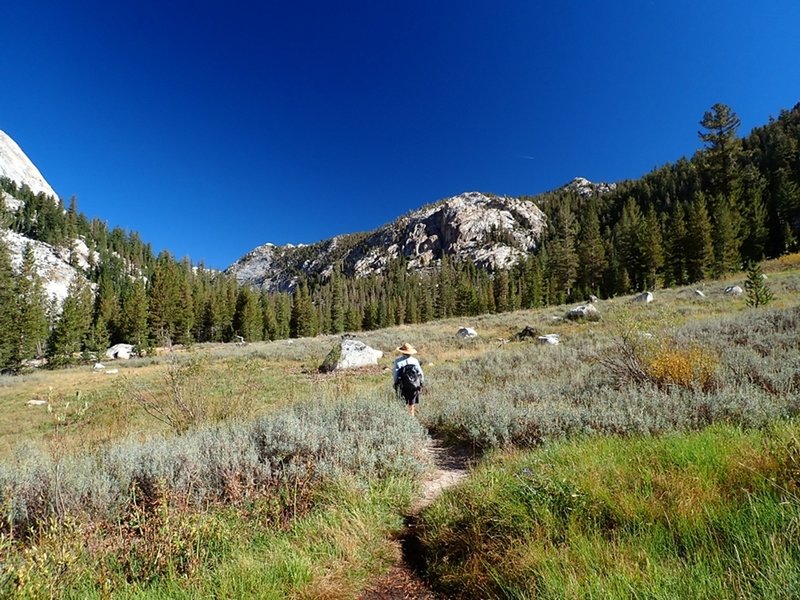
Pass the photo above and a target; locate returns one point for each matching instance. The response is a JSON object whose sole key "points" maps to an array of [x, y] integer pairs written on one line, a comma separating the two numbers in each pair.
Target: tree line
{"points": [[736, 200]]}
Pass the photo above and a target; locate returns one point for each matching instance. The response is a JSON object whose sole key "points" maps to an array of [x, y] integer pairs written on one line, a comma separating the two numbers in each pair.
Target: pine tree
{"points": [[163, 299], [563, 263], [723, 150], [337, 304], [133, 318], [501, 293], [8, 311], [248, 319], [699, 244], [754, 215], [302, 320], [758, 292], [676, 267], [724, 239], [32, 322], [652, 248], [74, 324], [629, 244], [591, 252]]}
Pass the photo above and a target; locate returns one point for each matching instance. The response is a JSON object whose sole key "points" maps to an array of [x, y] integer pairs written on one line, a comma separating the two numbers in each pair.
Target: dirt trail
{"points": [[403, 581]]}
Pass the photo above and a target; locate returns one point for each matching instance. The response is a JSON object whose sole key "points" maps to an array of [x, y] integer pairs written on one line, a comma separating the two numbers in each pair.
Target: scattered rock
{"points": [[593, 299], [527, 333], [644, 298], [466, 332], [699, 293], [111, 371], [349, 354], [586, 312], [36, 402], [734, 290], [98, 367], [552, 339], [122, 351]]}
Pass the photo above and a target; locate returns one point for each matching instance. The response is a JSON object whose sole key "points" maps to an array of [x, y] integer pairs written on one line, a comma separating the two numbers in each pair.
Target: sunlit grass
{"points": [[706, 515]]}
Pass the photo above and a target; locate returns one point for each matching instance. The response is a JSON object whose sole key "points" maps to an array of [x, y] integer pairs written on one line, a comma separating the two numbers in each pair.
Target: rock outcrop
{"points": [[494, 232], [15, 165]]}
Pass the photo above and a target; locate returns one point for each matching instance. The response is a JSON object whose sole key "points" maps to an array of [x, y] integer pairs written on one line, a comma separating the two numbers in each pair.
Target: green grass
{"points": [[329, 552], [714, 514]]}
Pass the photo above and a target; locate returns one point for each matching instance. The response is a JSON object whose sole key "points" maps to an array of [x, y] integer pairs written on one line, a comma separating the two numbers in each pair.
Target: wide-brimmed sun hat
{"points": [[406, 348]]}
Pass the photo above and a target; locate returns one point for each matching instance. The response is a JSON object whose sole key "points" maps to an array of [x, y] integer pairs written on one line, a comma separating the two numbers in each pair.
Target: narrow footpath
{"points": [[404, 581]]}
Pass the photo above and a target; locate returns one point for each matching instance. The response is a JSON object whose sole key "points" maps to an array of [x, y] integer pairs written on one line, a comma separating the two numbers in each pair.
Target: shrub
{"points": [[295, 449], [691, 368]]}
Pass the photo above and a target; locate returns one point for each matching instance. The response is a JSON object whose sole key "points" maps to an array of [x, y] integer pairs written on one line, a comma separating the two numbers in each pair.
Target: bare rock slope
{"points": [[492, 231]]}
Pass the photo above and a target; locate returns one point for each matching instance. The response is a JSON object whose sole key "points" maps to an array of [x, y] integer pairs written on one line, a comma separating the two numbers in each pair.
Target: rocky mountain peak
{"points": [[52, 264], [15, 165], [494, 232], [584, 187]]}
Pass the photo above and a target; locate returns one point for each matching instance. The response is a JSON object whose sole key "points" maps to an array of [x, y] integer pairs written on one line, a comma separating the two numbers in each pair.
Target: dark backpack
{"points": [[409, 380]]}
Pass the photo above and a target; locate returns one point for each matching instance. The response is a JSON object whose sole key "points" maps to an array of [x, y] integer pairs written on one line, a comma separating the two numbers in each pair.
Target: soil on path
{"points": [[404, 581]]}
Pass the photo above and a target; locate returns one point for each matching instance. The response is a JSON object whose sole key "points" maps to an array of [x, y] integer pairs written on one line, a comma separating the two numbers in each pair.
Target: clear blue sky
{"points": [[213, 127]]}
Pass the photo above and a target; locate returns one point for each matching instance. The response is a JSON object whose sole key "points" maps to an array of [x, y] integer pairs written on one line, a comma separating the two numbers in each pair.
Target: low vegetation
{"points": [[651, 453], [703, 515]]}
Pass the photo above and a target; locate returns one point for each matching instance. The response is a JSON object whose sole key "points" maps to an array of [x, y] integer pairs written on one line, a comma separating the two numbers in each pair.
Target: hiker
{"points": [[408, 376]]}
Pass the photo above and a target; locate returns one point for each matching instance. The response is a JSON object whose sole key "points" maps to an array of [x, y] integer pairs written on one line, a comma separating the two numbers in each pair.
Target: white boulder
{"points": [[98, 367], [644, 298], [551, 339], [466, 332], [699, 293], [122, 351], [584, 311], [350, 354], [734, 290], [36, 402]]}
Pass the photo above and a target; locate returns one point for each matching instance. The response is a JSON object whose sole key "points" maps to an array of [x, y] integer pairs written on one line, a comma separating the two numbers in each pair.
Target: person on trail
{"points": [[408, 376]]}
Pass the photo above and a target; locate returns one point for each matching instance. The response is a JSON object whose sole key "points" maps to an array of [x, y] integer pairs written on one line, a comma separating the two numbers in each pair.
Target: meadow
{"points": [[652, 453]]}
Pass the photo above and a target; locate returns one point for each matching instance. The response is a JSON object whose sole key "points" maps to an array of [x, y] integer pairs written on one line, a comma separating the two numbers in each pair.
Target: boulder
{"points": [[466, 332], [551, 339], [527, 333], [586, 312], [644, 298], [36, 402], [122, 351], [734, 290], [593, 298], [699, 294], [349, 354], [98, 367]]}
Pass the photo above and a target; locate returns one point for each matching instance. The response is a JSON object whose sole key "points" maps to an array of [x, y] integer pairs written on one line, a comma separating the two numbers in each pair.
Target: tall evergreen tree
{"points": [[248, 319], [652, 246], [73, 326], [699, 243], [133, 318], [725, 239], [676, 245], [8, 310], [563, 263], [302, 320], [723, 150], [591, 251], [31, 315]]}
